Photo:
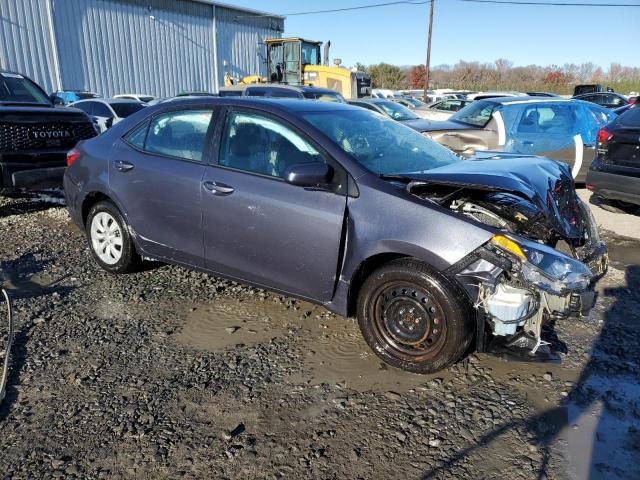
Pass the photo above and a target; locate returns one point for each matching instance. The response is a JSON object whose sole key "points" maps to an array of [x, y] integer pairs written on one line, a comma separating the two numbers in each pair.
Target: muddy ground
{"points": [[168, 373]]}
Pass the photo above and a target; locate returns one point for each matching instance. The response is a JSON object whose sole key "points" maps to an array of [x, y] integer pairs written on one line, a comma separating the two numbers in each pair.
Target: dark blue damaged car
{"points": [[339, 206]]}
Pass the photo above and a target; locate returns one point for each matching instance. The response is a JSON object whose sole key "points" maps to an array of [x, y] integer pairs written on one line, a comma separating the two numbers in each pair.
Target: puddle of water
{"points": [[226, 323], [604, 435], [334, 350], [623, 252]]}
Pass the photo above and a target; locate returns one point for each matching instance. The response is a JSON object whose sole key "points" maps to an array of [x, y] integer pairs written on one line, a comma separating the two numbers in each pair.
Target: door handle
{"points": [[122, 166], [528, 144], [218, 188]]}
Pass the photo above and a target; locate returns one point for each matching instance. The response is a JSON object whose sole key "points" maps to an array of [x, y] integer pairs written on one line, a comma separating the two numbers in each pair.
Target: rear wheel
{"points": [[109, 239], [414, 318]]}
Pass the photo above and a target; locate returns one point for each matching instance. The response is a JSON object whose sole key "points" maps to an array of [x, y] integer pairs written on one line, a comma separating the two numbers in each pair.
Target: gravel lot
{"points": [[168, 373]]}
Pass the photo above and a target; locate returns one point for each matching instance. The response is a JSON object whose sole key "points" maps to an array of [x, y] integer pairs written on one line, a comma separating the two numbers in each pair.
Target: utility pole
{"points": [[426, 76]]}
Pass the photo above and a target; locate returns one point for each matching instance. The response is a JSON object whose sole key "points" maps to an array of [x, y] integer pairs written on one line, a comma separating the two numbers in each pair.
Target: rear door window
{"points": [[282, 93], [86, 107], [255, 92], [101, 110], [547, 119], [179, 134], [631, 118], [450, 106], [124, 110]]}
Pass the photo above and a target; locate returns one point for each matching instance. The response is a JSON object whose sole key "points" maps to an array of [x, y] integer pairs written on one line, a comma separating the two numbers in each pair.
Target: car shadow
{"points": [[31, 202], [22, 279], [606, 448]]}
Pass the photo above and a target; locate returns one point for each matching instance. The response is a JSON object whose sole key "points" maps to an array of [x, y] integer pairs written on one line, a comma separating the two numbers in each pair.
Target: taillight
{"points": [[72, 156], [632, 100], [604, 135]]}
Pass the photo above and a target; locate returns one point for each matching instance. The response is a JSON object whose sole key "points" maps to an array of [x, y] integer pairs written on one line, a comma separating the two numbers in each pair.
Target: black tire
{"points": [[618, 206], [128, 260], [414, 318]]}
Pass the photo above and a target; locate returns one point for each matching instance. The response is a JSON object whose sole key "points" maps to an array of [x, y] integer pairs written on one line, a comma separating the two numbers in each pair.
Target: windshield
{"points": [[477, 113], [397, 111], [325, 96], [123, 110], [16, 88], [380, 145], [415, 102]]}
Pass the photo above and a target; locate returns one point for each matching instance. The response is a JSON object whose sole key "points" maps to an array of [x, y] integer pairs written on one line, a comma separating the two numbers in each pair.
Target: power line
{"points": [[361, 7], [553, 4], [424, 2]]}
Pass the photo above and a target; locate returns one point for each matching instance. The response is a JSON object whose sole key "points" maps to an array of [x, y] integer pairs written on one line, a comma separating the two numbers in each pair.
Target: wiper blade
{"points": [[397, 178]]}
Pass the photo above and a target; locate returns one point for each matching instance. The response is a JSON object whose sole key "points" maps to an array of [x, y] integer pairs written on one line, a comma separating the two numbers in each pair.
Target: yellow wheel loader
{"points": [[296, 61]]}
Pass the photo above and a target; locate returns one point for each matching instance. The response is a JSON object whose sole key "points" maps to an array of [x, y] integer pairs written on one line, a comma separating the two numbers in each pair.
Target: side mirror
{"points": [[314, 174]]}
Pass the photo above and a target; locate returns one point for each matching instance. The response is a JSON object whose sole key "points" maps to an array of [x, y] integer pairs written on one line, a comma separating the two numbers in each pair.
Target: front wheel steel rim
{"points": [[106, 238], [408, 321]]}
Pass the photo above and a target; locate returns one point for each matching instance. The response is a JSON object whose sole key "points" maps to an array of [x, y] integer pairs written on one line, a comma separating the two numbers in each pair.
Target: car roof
{"points": [[372, 100], [283, 104], [524, 99], [598, 93], [283, 86], [109, 101]]}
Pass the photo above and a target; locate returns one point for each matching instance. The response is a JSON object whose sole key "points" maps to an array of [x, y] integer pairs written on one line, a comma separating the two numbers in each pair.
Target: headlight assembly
{"points": [[546, 267]]}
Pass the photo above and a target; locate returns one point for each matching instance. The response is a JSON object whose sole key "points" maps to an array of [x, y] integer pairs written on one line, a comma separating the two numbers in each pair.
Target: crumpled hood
{"points": [[546, 183], [419, 124]]}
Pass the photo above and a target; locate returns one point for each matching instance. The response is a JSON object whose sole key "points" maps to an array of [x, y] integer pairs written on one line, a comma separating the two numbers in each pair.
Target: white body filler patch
{"points": [[502, 133], [578, 162]]}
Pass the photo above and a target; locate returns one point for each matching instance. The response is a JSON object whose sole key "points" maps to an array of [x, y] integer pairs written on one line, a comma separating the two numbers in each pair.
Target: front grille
{"points": [[15, 137]]}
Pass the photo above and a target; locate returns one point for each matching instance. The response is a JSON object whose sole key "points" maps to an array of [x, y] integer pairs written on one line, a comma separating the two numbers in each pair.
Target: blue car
{"points": [[558, 128]]}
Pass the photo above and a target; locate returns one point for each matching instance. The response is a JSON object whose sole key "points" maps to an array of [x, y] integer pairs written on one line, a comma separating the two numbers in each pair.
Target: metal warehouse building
{"points": [[158, 47]]}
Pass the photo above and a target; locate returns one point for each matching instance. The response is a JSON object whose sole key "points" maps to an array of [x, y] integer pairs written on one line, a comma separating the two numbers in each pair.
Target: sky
{"points": [[542, 35]]}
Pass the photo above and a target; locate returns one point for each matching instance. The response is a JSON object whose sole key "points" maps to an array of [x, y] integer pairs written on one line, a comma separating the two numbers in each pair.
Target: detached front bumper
{"points": [[515, 297]]}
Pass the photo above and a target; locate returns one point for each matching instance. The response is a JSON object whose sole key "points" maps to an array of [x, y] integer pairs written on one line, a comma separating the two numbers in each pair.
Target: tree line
{"points": [[502, 75]]}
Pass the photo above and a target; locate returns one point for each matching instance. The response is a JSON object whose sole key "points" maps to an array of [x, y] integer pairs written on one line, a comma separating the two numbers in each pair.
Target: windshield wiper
{"points": [[397, 178]]}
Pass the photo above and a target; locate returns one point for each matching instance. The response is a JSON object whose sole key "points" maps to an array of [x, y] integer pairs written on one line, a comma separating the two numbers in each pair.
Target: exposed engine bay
{"points": [[540, 266]]}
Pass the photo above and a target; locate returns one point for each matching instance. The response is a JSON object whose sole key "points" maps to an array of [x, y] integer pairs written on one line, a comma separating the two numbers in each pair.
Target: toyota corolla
{"points": [[343, 207]]}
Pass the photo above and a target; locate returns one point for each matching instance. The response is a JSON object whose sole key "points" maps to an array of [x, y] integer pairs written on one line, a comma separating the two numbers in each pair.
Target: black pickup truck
{"points": [[35, 136]]}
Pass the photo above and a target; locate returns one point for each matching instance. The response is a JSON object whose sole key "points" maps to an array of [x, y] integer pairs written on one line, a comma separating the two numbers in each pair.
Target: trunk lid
{"points": [[623, 149]]}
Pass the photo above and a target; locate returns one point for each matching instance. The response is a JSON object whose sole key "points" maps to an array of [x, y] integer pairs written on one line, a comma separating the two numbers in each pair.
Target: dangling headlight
{"points": [[546, 267]]}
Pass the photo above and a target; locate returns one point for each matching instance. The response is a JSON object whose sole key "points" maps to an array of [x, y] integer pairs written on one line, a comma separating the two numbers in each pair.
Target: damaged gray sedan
{"points": [[343, 207]]}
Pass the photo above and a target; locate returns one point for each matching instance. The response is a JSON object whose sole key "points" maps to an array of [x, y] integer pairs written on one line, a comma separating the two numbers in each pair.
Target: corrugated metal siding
{"points": [[239, 38], [158, 47], [25, 40]]}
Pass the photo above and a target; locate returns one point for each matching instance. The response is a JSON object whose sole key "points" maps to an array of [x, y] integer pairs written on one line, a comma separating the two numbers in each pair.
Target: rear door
{"points": [[550, 130], [156, 175], [262, 230]]}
